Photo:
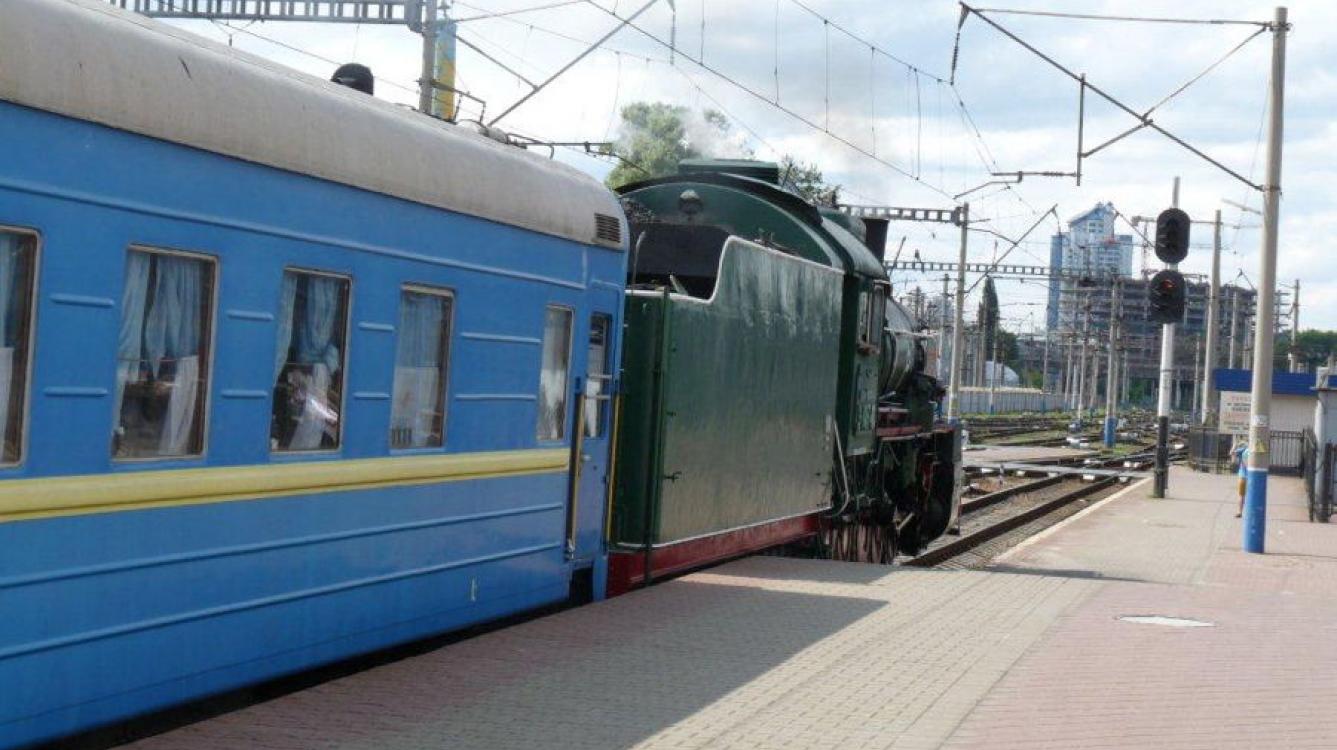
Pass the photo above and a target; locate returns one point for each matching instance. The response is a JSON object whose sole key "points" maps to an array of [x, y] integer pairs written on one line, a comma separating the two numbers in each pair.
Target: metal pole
{"points": [[1197, 370], [1162, 474], [1234, 325], [426, 91], [958, 344], [942, 334], [1111, 402], [1260, 431], [1083, 369], [993, 371], [1123, 378], [1213, 302], [1294, 355], [1044, 367]]}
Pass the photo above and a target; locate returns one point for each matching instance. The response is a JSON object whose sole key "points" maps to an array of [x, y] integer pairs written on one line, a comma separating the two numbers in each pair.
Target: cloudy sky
{"points": [[882, 124]]}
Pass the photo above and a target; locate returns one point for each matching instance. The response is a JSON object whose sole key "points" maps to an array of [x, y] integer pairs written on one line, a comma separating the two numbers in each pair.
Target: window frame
{"points": [[279, 453], [29, 367], [563, 435], [447, 293], [605, 375], [870, 323], [206, 413]]}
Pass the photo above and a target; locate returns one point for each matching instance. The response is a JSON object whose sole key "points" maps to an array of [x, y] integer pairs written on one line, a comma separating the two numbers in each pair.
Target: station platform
{"points": [[769, 652]]}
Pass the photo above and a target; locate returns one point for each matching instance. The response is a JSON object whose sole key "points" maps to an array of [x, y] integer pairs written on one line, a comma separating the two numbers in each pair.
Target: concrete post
{"points": [[1260, 429], [1213, 323], [1111, 400], [958, 344], [942, 334]]}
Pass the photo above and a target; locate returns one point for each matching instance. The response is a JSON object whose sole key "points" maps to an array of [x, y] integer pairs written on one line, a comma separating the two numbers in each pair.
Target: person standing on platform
{"points": [[1240, 455]]}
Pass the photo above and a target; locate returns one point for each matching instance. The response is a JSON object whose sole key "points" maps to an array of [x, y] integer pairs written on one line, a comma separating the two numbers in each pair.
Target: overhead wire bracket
{"points": [[1142, 118]]}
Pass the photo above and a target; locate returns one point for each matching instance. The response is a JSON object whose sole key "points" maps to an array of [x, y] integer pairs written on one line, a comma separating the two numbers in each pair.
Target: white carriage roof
{"points": [[88, 60]]}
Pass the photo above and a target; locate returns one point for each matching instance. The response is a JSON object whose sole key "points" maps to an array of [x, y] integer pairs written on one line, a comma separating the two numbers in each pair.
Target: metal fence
{"points": [[1209, 451], [1288, 456]]}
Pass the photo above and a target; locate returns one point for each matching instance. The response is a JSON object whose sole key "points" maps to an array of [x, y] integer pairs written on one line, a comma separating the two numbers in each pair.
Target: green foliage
{"points": [[806, 180], [655, 136], [1315, 347]]}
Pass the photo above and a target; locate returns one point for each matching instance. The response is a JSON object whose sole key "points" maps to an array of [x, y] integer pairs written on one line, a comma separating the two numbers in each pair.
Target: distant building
{"points": [[1089, 247]]}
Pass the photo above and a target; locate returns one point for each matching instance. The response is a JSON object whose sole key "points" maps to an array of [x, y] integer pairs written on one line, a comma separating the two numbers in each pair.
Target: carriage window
{"points": [[162, 356], [553, 375], [309, 362], [417, 418], [17, 254], [597, 378]]}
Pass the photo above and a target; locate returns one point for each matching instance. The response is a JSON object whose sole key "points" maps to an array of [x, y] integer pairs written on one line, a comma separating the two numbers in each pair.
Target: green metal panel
{"points": [[737, 392], [753, 208]]}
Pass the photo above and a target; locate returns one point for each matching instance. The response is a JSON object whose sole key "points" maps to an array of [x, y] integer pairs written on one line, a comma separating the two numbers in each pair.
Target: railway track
{"points": [[993, 523]]}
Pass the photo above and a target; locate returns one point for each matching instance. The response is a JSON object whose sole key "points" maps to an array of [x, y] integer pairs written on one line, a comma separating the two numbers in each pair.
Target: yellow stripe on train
{"points": [[100, 493]]}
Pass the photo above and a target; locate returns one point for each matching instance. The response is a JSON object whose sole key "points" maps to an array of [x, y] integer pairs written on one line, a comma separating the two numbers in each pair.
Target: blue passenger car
{"points": [[286, 373]]}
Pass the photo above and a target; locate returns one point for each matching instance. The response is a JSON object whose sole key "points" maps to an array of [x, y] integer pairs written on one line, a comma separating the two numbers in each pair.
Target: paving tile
{"points": [[777, 653]]}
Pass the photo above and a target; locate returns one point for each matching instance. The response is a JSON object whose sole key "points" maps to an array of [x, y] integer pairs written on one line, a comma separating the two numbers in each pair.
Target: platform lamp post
{"points": [[1260, 432]]}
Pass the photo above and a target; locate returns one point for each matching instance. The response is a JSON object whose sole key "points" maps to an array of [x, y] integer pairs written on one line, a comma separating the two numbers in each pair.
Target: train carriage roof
{"points": [[88, 60]]}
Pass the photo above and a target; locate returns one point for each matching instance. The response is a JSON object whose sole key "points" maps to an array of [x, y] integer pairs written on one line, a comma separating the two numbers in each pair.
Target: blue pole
{"points": [[1109, 431], [1255, 510]]}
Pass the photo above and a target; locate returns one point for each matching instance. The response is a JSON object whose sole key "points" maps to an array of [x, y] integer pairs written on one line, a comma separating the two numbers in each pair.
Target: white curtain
{"points": [[315, 333], [6, 379], [287, 301], [318, 418], [553, 374], [592, 390], [418, 358], [172, 333], [130, 342], [9, 328], [413, 418], [173, 326], [181, 411]]}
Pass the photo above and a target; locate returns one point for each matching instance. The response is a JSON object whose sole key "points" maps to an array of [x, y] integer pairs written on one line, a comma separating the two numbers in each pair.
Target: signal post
{"points": [[1168, 298]]}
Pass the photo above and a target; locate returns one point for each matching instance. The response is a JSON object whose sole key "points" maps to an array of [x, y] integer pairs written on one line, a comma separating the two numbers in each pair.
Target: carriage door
{"points": [[591, 442]]}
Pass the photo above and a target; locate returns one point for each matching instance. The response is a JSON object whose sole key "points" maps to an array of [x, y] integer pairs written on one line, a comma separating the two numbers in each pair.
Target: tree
{"points": [[806, 180], [655, 136], [1315, 348]]}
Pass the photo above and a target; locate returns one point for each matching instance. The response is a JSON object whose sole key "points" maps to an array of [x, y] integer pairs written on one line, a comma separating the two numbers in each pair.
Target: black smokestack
{"points": [[357, 77]]}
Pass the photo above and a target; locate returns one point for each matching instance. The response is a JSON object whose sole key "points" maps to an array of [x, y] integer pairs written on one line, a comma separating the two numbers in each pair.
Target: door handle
{"points": [[585, 457]]}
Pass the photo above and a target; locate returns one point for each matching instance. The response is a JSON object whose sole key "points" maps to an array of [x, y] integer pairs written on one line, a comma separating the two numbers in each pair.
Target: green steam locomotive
{"points": [[774, 393]]}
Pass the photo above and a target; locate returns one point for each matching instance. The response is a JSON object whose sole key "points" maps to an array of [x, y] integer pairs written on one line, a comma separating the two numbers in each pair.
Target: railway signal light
{"points": [[1172, 227], [1167, 296]]}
